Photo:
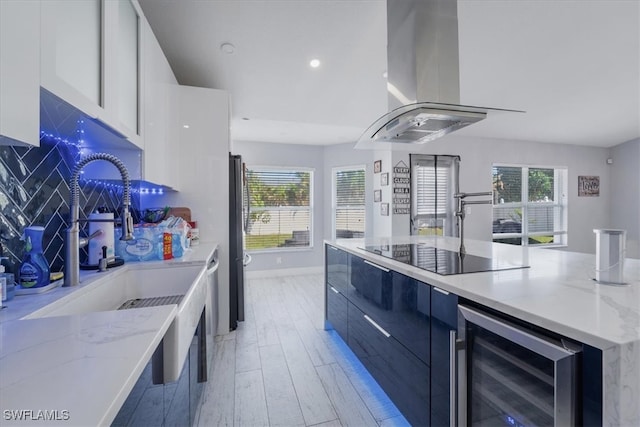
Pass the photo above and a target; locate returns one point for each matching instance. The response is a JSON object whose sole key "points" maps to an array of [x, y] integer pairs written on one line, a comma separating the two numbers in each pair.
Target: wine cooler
{"points": [[505, 374]]}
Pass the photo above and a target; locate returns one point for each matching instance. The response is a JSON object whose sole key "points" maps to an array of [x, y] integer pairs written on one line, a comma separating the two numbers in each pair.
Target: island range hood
{"points": [[423, 81]]}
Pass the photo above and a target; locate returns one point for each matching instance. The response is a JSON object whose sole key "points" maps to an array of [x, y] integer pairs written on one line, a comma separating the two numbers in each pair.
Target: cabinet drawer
{"points": [[371, 285], [337, 268], [403, 376], [398, 303], [337, 311]]}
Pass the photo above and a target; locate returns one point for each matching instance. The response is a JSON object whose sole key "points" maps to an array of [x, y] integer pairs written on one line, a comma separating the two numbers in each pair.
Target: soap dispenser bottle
{"points": [[34, 270], [7, 283]]}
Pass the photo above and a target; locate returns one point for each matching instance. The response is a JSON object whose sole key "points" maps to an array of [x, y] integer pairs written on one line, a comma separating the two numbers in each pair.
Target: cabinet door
{"points": [[71, 53], [128, 42], [337, 311], [337, 268], [403, 376], [444, 318], [158, 163], [20, 72]]}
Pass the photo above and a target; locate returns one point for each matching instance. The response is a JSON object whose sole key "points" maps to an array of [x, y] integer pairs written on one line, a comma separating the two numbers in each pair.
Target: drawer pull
{"points": [[386, 270], [440, 290], [334, 290], [378, 327]]}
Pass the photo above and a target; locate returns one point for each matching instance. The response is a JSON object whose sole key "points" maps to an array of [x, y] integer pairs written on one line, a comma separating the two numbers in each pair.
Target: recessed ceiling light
{"points": [[227, 48], [314, 63], [185, 126]]}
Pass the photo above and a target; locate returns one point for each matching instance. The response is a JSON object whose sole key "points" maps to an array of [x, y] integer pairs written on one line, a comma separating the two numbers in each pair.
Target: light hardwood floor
{"points": [[281, 368]]}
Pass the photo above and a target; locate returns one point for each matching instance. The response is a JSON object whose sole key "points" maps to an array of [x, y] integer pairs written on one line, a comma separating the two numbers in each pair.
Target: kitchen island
{"points": [[78, 369], [555, 292]]}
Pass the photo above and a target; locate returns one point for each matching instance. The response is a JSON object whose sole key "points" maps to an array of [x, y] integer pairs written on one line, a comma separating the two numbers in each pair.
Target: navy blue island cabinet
{"points": [[385, 318]]}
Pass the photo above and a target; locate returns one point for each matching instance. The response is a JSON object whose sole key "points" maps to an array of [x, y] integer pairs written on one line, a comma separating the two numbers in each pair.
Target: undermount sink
{"points": [[144, 282]]}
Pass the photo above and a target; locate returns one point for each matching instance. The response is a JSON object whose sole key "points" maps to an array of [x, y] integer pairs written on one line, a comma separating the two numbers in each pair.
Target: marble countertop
{"points": [[556, 292], [79, 368]]}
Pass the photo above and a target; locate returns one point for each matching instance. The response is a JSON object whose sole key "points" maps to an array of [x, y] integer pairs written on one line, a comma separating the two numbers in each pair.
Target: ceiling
{"points": [[573, 66]]}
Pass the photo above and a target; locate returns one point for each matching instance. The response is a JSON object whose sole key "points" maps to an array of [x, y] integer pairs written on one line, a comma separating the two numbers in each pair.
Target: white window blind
{"points": [[433, 183], [529, 205], [348, 202], [280, 208]]}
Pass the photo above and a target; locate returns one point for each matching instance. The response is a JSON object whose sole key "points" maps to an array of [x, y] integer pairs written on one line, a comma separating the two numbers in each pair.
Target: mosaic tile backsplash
{"points": [[34, 190]]}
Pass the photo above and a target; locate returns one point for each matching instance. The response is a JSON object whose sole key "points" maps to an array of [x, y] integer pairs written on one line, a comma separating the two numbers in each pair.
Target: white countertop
{"points": [[557, 291], [81, 367]]}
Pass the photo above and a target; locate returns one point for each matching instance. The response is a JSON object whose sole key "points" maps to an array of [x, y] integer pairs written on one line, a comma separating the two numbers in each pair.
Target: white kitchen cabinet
{"points": [[159, 165], [89, 58], [20, 72]]}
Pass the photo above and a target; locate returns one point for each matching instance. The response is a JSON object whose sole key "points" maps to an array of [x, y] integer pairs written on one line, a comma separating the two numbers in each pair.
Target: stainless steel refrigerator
{"points": [[237, 192]]}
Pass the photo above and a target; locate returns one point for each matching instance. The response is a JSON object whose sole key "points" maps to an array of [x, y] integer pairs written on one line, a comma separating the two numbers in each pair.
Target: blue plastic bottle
{"points": [[34, 270]]}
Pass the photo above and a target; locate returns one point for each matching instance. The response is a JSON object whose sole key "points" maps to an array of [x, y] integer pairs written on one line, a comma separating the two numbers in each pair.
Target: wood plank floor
{"points": [[281, 368]]}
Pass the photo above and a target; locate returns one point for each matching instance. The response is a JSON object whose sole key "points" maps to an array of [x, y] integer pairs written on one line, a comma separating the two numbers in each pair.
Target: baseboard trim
{"points": [[283, 272]]}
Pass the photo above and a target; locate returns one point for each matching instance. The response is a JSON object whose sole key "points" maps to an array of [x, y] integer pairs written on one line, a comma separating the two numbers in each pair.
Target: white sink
{"points": [[144, 281]]}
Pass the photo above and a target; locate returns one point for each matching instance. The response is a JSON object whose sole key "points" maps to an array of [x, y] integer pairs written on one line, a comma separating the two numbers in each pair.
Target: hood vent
{"points": [[423, 76]]}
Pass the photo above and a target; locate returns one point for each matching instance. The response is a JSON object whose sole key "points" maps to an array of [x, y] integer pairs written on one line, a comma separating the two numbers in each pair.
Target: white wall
{"points": [[306, 156], [625, 193], [478, 156]]}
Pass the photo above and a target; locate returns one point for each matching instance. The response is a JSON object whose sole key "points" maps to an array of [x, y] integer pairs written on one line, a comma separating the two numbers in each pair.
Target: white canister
{"points": [[610, 253], [104, 222]]}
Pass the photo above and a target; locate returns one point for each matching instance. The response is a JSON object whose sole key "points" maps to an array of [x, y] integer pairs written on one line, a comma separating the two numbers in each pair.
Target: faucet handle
{"points": [[84, 241]]}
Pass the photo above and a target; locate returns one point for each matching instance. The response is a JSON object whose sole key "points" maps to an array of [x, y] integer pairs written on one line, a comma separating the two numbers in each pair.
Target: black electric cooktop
{"points": [[438, 260]]}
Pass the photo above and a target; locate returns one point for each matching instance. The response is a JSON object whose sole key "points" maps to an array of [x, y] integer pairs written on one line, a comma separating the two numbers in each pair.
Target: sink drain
{"points": [[151, 302]]}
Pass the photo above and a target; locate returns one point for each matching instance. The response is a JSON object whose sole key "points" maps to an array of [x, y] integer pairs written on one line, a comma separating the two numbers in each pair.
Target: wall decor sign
{"points": [[377, 166], [588, 186], [384, 209], [377, 195], [401, 189], [384, 179]]}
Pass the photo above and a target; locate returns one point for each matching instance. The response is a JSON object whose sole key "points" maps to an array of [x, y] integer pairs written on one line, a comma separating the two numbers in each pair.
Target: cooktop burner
{"points": [[438, 260]]}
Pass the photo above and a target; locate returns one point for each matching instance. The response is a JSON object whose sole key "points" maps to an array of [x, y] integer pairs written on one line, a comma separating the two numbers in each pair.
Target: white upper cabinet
{"points": [[159, 165], [19, 72], [89, 58], [128, 48]]}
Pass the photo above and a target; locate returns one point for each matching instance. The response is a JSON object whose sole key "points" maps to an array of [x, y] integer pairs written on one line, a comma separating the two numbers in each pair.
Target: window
{"points": [[348, 202], [529, 205], [433, 183], [279, 208]]}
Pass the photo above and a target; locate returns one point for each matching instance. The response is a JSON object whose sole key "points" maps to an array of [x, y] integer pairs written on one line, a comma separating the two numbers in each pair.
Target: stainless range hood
{"points": [[423, 76]]}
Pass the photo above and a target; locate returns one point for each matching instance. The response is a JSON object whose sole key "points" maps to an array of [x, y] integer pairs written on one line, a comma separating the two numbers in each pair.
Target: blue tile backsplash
{"points": [[34, 190]]}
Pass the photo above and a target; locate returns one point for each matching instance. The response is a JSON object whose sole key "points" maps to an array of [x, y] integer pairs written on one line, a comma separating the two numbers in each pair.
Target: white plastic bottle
{"points": [[7, 284]]}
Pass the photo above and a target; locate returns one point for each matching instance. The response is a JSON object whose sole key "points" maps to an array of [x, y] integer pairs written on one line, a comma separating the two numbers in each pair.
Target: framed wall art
{"points": [[384, 209], [384, 179], [377, 166], [588, 186], [377, 195]]}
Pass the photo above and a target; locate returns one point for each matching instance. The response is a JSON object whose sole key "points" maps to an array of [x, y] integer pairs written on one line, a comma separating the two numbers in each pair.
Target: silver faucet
{"points": [[460, 213], [74, 242]]}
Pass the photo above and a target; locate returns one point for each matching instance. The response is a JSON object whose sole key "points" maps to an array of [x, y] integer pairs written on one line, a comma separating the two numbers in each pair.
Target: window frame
{"points": [[334, 194], [294, 169], [560, 200]]}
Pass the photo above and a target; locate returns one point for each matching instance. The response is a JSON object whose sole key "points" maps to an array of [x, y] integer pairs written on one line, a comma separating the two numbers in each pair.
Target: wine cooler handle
{"points": [[453, 385]]}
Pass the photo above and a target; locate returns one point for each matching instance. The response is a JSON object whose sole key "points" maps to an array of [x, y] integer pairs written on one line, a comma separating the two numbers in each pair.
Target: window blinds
{"points": [[433, 183], [349, 202]]}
